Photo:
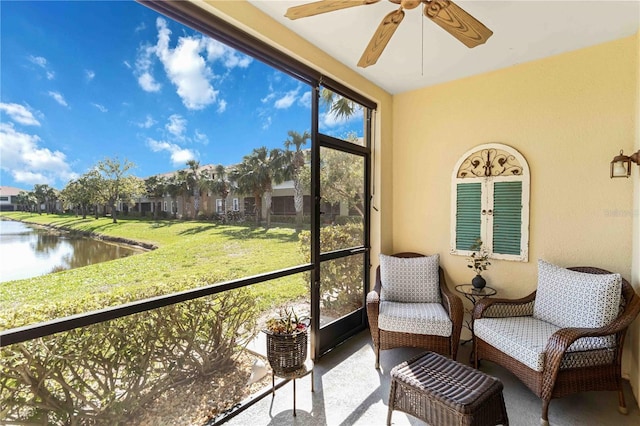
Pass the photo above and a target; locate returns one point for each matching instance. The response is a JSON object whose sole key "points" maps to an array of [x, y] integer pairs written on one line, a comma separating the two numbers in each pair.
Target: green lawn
{"points": [[193, 252]]}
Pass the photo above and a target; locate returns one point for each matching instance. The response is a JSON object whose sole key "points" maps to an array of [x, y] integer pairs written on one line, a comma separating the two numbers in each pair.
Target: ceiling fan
{"points": [[445, 13]]}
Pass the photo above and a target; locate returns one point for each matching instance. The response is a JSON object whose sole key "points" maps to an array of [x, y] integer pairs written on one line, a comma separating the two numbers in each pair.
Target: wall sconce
{"points": [[621, 164]]}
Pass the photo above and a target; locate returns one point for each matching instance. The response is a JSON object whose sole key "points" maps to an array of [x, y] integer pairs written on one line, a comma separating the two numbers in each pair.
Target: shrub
{"points": [[101, 374], [341, 279]]}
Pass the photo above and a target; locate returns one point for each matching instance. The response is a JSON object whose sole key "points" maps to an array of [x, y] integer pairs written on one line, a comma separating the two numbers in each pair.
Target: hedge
{"points": [[102, 374]]}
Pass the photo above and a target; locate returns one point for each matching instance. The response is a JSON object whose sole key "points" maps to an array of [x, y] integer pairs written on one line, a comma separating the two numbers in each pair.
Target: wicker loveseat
{"points": [[566, 337], [411, 306]]}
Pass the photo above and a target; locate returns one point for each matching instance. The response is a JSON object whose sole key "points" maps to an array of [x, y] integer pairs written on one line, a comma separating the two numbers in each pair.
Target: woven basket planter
{"points": [[286, 352]]}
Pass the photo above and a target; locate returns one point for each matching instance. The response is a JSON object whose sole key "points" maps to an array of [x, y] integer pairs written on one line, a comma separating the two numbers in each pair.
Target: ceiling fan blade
{"points": [[381, 37], [323, 6], [457, 22]]}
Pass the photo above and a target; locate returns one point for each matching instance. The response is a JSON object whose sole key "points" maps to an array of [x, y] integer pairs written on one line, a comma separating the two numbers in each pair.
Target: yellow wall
{"points": [[632, 357], [568, 115]]}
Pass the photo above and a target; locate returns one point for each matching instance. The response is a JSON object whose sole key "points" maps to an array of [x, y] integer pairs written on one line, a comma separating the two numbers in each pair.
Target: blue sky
{"points": [[82, 81]]}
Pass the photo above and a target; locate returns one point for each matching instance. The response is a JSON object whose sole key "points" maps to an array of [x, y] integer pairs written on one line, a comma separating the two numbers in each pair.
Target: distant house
{"points": [[8, 198], [210, 202]]}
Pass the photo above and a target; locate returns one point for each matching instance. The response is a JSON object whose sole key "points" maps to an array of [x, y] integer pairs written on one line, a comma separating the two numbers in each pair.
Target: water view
{"points": [[29, 251]]}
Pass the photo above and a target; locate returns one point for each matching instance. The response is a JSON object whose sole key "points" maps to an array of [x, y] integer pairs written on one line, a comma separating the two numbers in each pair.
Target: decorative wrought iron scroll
{"points": [[489, 162]]}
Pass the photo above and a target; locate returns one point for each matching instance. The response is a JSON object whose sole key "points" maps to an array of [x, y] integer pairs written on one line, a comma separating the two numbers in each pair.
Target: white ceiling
{"points": [[423, 54]]}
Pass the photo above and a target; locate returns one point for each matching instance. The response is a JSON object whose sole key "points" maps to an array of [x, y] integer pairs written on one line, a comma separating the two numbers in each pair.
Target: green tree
{"points": [[197, 181], [26, 201], [341, 179], [173, 187], [117, 184], [294, 167], [338, 105], [42, 193], [221, 186], [256, 175], [181, 180], [77, 195], [155, 187]]}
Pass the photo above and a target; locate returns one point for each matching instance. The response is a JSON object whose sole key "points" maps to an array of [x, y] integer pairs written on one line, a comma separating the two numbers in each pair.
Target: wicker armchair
{"points": [[385, 339], [565, 369]]}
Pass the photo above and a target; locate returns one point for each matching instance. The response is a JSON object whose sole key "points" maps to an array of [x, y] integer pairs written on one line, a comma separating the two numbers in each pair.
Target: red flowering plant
{"points": [[287, 323]]}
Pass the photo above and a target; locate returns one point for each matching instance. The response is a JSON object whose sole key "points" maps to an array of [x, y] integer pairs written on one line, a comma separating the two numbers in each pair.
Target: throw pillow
{"points": [[568, 298], [410, 279]]}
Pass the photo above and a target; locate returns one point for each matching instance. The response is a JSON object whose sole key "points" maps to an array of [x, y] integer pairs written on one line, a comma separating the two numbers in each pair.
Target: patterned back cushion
{"points": [[410, 279], [568, 298]]}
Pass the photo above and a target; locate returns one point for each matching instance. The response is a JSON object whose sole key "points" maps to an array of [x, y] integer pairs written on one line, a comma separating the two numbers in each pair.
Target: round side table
{"points": [[473, 294]]}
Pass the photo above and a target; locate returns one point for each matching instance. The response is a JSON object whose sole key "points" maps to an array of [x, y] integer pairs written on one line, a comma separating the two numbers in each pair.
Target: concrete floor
{"points": [[350, 391]]}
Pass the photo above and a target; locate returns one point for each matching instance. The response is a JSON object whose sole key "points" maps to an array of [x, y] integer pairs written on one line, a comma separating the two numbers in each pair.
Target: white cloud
{"points": [[222, 106], [127, 64], [148, 83], [143, 68], [147, 123], [269, 97], [229, 57], [38, 60], [101, 108], [89, 74], [30, 177], [141, 27], [58, 98], [305, 99], [179, 155], [188, 66], [266, 122], [186, 69], [42, 63], [287, 100], [19, 114], [30, 163], [201, 138], [176, 126]]}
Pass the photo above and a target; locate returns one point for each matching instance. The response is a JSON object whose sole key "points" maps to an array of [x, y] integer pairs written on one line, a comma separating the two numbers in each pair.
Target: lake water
{"points": [[28, 251]]}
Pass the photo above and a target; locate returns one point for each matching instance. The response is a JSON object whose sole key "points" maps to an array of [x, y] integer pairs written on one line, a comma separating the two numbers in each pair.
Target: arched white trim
{"points": [[475, 165]]}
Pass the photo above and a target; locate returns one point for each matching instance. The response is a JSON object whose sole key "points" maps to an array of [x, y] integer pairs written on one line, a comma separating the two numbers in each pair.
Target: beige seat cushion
{"points": [[415, 318], [525, 339]]}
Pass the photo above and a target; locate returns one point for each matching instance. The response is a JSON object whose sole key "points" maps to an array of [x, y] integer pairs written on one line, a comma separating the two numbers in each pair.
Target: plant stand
{"points": [[306, 369], [287, 355]]}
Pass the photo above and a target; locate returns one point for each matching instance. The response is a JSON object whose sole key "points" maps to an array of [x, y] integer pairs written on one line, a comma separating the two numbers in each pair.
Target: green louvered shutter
{"points": [[468, 219], [507, 217]]}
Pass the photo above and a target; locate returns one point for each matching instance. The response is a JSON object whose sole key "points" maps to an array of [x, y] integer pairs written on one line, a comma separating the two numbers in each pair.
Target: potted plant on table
{"points": [[287, 341], [479, 262]]}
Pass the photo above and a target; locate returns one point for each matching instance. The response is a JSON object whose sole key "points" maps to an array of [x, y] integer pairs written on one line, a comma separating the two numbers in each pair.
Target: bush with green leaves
{"points": [[341, 279], [101, 374]]}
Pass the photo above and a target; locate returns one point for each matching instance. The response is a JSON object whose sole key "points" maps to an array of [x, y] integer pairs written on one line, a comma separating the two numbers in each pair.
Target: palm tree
{"points": [[256, 174], [193, 180], [221, 186], [155, 188], [26, 200], [173, 188], [41, 191], [339, 106], [296, 162], [183, 188]]}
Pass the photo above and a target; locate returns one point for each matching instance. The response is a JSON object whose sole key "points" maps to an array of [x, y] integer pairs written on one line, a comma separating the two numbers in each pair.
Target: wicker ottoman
{"points": [[441, 391]]}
